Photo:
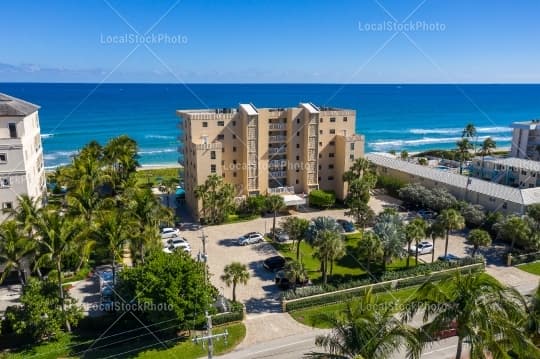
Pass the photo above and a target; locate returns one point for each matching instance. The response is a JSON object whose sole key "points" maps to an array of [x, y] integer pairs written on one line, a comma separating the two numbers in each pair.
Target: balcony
{"points": [[278, 174], [208, 146], [273, 139], [277, 150], [277, 126], [277, 164], [278, 190]]}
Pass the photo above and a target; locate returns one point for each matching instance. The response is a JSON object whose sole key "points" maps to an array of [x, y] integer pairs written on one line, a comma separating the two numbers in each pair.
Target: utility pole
{"points": [[209, 337]]}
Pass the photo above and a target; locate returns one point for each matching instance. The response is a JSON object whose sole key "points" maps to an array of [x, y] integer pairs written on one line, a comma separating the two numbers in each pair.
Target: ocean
{"points": [[411, 117]]}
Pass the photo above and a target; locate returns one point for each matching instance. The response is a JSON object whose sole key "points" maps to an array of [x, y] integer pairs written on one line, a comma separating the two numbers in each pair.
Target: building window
{"points": [[234, 162], [234, 174], [297, 145], [505, 205], [7, 205], [298, 133], [221, 137], [222, 149], [320, 120], [524, 173], [298, 158], [331, 167], [332, 131], [344, 119], [298, 120], [331, 155], [4, 182], [205, 124], [223, 162], [332, 119], [234, 149], [212, 155], [351, 157], [330, 178], [12, 130], [221, 123], [332, 143], [213, 168], [320, 155], [352, 146], [3, 157], [297, 181], [234, 136], [320, 144], [320, 132], [320, 167]]}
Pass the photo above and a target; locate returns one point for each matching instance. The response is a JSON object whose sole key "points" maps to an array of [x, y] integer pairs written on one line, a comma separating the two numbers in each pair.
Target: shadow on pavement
{"points": [[228, 242], [270, 302], [494, 254]]}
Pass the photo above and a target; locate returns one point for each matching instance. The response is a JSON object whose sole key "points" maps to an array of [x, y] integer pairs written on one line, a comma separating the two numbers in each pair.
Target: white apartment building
{"points": [[526, 140], [21, 154], [511, 171]]}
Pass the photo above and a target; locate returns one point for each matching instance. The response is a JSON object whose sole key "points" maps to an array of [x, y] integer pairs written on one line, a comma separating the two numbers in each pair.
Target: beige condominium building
{"points": [[21, 154], [289, 151], [526, 140]]}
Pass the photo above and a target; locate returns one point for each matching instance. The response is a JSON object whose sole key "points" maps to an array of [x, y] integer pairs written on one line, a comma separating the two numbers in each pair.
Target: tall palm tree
{"points": [[470, 133], [328, 248], [478, 238], [369, 248], [121, 155], [366, 330], [487, 315], [56, 233], [217, 199], [234, 274], [415, 231], [296, 228], [317, 227], [463, 147], [14, 248], [517, 229], [435, 230], [295, 273], [450, 220], [114, 230], [487, 150], [389, 228], [274, 203]]}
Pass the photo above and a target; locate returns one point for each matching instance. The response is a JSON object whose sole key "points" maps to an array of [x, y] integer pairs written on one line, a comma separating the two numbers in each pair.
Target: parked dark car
{"points": [[449, 258], [347, 226], [284, 283], [280, 236], [274, 263]]}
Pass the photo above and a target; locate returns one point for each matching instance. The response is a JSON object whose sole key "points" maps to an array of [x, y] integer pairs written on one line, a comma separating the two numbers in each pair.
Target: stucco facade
{"points": [[269, 150]]}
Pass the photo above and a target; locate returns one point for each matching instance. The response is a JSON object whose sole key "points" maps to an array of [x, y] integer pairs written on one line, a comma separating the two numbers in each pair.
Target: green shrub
{"points": [[391, 184], [322, 199], [235, 315]]}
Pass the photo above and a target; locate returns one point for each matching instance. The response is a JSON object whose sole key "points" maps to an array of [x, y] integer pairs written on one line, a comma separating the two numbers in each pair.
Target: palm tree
{"points": [[450, 220], [463, 147], [274, 203], [295, 273], [435, 230], [415, 231], [56, 233], [296, 228], [114, 230], [14, 247], [389, 229], [533, 317], [318, 226], [516, 229], [328, 248], [487, 315], [234, 274], [121, 155], [369, 248], [487, 150], [479, 238], [217, 199], [365, 329], [360, 167], [470, 133], [404, 155]]}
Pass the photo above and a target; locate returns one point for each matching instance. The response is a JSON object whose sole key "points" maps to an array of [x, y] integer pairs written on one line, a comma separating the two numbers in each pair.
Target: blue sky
{"points": [[458, 41]]}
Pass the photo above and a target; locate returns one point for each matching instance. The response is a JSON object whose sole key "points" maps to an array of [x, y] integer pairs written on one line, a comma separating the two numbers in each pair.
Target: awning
{"points": [[180, 193], [293, 200]]}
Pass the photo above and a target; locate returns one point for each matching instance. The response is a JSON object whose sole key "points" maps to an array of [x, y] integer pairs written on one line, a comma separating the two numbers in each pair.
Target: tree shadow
{"points": [[495, 254], [228, 242]]}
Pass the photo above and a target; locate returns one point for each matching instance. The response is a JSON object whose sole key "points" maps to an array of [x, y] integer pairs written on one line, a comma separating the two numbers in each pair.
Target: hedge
{"points": [[322, 199], [343, 295], [391, 184], [235, 315], [525, 258]]}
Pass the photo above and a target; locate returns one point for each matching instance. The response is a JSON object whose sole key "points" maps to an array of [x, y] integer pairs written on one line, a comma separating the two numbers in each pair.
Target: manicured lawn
{"points": [[347, 267], [533, 267], [135, 348], [315, 317], [150, 176], [235, 218]]}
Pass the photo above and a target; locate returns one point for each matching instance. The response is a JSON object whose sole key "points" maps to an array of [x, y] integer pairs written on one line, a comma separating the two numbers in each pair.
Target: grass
{"points": [[316, 316], [235, 218], [533, 267], [149, 177], [346, 268], [133, 348]]}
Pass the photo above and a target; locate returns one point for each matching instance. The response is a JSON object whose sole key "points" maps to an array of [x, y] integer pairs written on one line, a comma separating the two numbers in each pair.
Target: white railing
{"points": [[278, 190], [277, 126], [277, 150], [278, 174], [277, 163], [277, 138]]}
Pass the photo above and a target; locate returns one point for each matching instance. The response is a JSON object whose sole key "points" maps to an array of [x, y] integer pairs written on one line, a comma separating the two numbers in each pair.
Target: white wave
{"points": [[47, 135], [428, 141], [49, 168], [59, 154], [457, 131], [152, 152], [159, 137]]}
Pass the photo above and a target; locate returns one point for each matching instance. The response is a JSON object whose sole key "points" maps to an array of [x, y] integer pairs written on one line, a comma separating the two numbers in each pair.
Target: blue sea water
{"points": [[412, 117]]}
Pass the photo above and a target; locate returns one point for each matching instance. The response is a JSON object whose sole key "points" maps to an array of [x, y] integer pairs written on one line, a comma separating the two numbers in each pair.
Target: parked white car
{"points": [[170, 233], [424, 247], [177, 242], [250, 238]]}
